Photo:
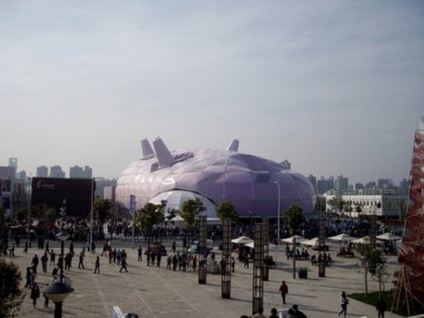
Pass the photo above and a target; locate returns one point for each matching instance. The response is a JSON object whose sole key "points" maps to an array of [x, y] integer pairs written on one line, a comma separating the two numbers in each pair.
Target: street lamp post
{"points": [[279, 212], [29, 203], [57, 291]]}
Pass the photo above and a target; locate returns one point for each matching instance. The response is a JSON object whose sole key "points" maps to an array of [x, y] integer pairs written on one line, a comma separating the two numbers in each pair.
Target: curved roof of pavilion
{"points": [[253, 184]]}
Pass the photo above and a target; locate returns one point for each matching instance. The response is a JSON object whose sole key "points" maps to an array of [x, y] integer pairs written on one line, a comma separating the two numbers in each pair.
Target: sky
{"points": [[334, 87]]}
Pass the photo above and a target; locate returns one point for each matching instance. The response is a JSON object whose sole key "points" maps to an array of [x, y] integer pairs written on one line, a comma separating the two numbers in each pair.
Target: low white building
{"points": [[382, 202]]}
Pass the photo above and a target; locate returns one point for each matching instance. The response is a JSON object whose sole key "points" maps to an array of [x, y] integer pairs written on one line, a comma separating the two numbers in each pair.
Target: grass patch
{"points": [[372, 298]]}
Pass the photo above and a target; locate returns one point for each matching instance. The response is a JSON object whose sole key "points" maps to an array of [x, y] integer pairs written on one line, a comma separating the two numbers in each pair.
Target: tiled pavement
{"points": [[159, 293]]}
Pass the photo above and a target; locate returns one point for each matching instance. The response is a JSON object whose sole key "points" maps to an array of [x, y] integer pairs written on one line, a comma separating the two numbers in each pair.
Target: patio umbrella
{"points": [[341, 237], [388, 237], [252, 245], [242, 240], [290, 239], [311, 242], [362, 240]]}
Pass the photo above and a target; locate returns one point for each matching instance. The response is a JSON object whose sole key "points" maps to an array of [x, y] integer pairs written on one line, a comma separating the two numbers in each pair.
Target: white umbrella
{"points": [[252, 245], [362, 240], [311, 242], [341, 237], [242, 240], [290, 239], [388, 237]]}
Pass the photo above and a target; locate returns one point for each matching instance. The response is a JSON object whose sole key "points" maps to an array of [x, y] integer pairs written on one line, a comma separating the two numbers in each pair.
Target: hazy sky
{"points": [[335, 87]]}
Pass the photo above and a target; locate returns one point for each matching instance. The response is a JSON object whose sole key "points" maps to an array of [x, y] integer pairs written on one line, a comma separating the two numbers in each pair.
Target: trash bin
{"points": [[303, 272]]}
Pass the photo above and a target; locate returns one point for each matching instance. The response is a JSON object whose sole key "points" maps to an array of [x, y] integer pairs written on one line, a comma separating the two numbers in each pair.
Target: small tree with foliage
{"points": [[11, 296], [294, 217], [22, 214], [190, 211], [149, 216], [227, 210], [373, 262], [101, 209]]}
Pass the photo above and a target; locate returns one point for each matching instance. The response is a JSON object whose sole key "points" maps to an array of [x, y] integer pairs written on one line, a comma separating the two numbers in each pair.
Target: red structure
{"points": [[411, 254]]}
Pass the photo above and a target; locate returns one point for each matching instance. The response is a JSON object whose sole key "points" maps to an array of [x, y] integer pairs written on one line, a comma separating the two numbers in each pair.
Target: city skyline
{"points": [[334, 88]]}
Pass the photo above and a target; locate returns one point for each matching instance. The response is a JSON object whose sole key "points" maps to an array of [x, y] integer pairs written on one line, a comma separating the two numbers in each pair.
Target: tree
{"points": [[334, 204], [294, 217], [101, 208], [227, 210], [11, 296], [190, 211], [374, 262], [39, 210], [149, 216], [50, 214], [22, 214]]}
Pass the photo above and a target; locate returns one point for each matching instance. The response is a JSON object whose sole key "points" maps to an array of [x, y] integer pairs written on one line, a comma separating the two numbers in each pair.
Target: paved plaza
{"points": [[157, 292]]}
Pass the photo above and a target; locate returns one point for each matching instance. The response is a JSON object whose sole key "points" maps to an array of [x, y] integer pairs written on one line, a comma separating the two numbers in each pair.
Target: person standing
{"points": [[139, 254], [274, 313], [259, 313], [81, 260], [97, 265], [284, 290], [35, 294], [381, 307], [343, 303]]}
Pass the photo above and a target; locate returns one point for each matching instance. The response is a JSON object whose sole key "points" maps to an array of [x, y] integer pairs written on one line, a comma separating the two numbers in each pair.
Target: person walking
{"points": [[81, 260], [343, 303], [123, 264], [284, 290], [97, 265], [381, 307], [35, 294]]}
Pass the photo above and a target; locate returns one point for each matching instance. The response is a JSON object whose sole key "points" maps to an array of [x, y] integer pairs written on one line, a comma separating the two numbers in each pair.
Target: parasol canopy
{"points": [[299, 239], [388, 237], [341, 237], [311, 242], [362, 240], [242, 240]]}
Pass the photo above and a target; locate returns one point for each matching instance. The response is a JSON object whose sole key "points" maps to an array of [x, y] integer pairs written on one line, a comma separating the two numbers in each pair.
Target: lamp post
{"points": [[57, 291], [29, 203], [279, 212]]}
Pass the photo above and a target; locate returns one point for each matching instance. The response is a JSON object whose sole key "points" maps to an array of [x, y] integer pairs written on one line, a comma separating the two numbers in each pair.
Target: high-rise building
{"points": [[13, 162], [88, 172], [42, 172], [75, 172], [56, 172], [341, 184], [80, 173]]}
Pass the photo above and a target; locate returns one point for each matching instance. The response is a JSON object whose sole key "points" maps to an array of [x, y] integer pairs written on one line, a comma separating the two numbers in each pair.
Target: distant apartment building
{"points": [[42, 172], [313, 181], [13, 162], [341, 184], [56, 172], [78, 172], [324, 185]]}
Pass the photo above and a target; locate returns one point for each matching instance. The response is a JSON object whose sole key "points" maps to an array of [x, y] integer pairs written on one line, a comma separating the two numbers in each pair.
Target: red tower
{"points": [[411, 254]]}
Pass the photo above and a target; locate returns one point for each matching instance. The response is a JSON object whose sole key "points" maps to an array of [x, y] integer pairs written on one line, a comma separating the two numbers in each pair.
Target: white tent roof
{"points": [[362, 240], [388, 237], [242, 240], [311, 242], [290, 239], [341, 237]]}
